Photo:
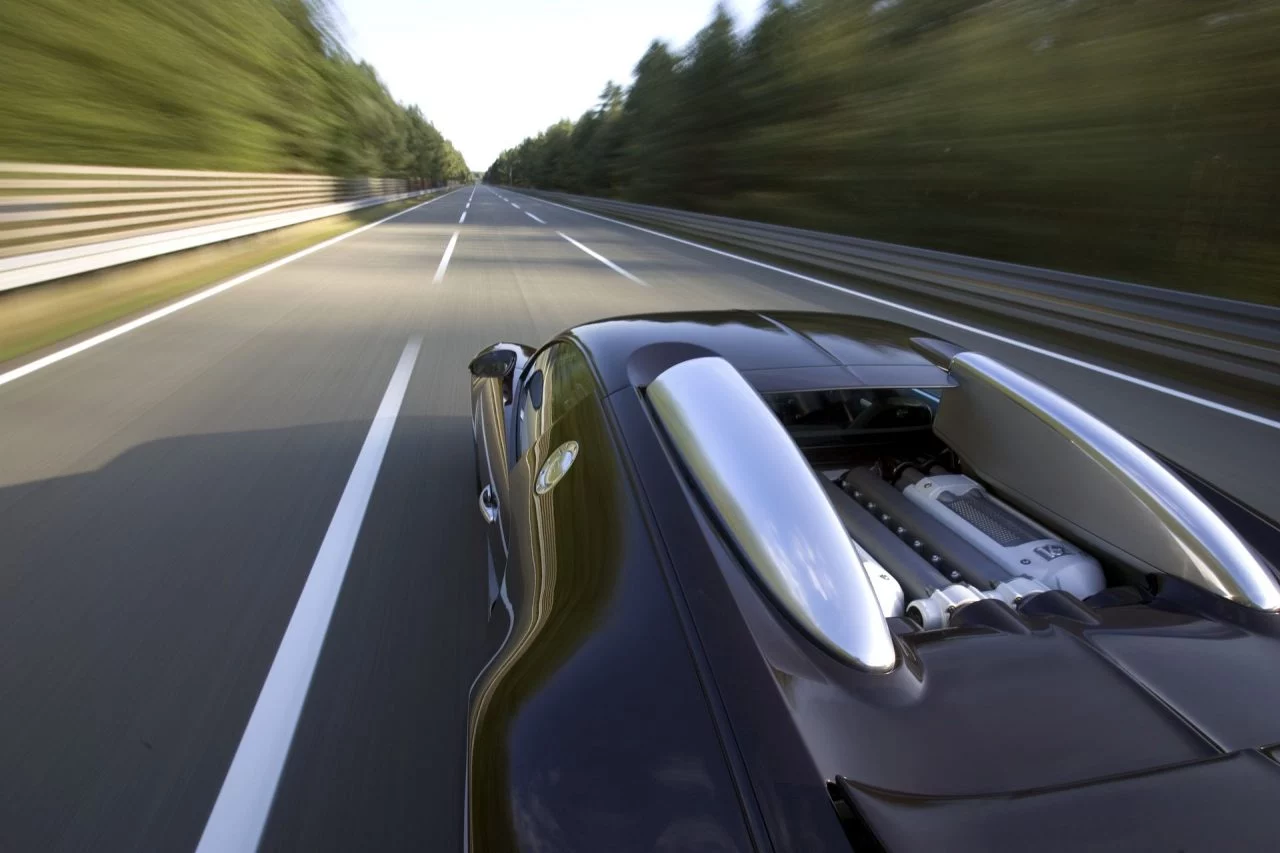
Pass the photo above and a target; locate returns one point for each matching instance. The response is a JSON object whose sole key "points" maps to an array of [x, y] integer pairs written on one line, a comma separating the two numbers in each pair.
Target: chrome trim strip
{"points": [[1216, 557], [771, 503]]}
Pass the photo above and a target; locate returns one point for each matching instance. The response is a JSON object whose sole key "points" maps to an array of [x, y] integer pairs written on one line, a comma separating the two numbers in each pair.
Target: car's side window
{"points": [[571, 382], [532, 393], [558, 378]]}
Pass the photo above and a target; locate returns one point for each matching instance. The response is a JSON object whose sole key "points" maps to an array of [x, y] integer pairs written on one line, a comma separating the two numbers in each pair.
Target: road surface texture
{"points": [[166, 495]]}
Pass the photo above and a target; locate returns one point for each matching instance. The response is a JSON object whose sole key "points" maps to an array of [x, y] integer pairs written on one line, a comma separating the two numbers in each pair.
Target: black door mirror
{"points": [[494, 364]]}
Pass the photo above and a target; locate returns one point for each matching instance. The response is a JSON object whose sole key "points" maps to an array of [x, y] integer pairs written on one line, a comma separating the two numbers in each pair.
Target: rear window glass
{"points": [[821, 417]]}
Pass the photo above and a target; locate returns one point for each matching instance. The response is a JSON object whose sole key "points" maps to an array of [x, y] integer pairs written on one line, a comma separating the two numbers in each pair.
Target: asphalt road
{"points": [[165, 496]]}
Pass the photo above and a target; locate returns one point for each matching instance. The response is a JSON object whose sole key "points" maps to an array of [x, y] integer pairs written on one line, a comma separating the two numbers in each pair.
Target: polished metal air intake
{"points": [[1079, 475], [770, 501]]}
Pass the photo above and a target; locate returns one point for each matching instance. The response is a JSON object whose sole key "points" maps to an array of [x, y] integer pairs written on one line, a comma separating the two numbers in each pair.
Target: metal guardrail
{"points": [[63, 220], [1238, 338]]}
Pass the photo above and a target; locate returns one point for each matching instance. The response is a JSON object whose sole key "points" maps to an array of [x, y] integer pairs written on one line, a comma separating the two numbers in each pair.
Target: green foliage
{"points": [[1127, 138], [251, 85]]}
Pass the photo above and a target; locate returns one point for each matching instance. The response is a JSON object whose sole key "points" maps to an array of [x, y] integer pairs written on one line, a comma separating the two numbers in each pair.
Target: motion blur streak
{"points": [[602, 259], [240, 812], [444, 259], [197, 463], [54, 357], [243, 585], [253, 86], [1128, 140], [1024, 345]]}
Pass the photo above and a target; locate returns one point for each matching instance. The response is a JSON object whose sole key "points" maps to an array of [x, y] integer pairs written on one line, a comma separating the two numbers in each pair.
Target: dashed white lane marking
{"points": [[101, 338], [602, 259], [240, 813], [534, 218], [516, 206], [444, 260], [462, 218], [955, 324]]}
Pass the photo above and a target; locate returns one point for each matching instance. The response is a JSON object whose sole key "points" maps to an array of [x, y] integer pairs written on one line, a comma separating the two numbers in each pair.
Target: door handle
{"points": [[488, 505]]}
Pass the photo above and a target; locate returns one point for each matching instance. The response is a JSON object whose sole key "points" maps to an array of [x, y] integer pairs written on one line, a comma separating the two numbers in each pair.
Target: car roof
{"points": [[775, 351]]}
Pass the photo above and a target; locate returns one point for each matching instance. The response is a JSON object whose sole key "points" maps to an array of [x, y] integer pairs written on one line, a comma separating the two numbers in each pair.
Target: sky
{"points": [[488, 73]]}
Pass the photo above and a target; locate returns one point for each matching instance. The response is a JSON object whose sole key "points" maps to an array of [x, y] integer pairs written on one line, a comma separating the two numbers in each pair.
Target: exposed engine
{"points": [[934, 540], [1013, 493], [1019, 545]]}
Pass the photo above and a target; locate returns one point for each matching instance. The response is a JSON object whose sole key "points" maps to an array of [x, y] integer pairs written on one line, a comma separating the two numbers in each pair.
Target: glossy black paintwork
{"points": [[590, 729], [641, 649], [491, 411], [854, 351], [1222, 804]]}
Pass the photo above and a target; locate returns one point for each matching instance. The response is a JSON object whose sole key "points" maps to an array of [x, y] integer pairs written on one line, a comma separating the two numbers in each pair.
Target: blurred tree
{"points": [[649, 167], [256, 85], [1132, 139], [710, 110]]}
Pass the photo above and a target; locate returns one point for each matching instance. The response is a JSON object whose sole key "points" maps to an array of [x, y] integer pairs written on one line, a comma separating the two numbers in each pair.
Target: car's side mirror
{"points": [[494, 364]]}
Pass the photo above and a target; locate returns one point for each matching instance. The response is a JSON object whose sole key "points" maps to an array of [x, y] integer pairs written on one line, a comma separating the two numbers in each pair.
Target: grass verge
{"points": [[38, 316]]}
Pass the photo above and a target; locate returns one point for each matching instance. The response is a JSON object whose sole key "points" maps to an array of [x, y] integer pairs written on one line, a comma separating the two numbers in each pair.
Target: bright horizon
{"points": [[488, 73]]}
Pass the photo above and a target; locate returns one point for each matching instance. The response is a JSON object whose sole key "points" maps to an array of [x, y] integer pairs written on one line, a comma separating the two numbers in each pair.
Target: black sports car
{"points": [[811, 582]]}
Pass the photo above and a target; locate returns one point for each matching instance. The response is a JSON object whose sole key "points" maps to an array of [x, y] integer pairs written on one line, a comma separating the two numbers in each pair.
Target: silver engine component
{"points": [[935, 611], [1014, 592], [1016, 543], [886, 587]]}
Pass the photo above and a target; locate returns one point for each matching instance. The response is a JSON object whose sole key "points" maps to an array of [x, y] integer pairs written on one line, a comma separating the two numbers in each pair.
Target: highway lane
{"points": [[1241, 455], [163, 497]]}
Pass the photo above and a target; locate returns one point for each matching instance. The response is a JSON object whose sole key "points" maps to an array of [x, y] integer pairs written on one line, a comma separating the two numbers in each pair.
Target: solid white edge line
{"points": [[955, 324], [102, 337], [534, 218], [444, 259], [602, 259], [462, 218], [240, 812]]}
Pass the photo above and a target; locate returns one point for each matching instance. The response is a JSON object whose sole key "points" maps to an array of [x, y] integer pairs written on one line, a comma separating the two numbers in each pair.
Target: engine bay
{"points": [[934, 536], [906, 560], [935, 539]]}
